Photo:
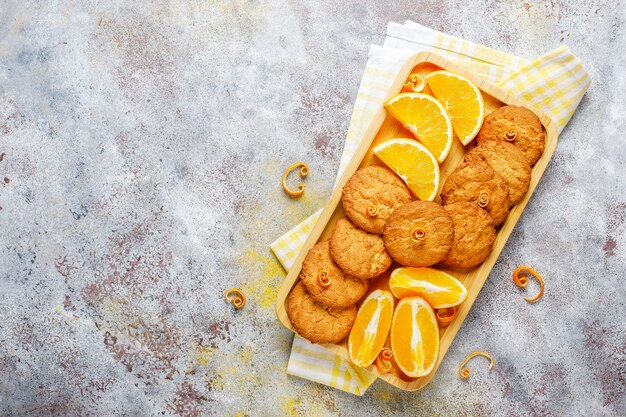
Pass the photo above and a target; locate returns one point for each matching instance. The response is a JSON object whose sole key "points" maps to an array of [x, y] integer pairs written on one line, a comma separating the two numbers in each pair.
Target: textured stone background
{"points": [[142, 150]]}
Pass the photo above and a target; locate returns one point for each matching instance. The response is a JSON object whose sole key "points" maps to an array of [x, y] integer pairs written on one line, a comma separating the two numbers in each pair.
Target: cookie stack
{"points": [[384, 224], [335, 273]]}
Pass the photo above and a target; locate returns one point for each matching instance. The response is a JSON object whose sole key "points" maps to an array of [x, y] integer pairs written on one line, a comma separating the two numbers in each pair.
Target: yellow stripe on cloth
{"points": [[287, 247], [317, 364], [415, 37], [554, 83]]}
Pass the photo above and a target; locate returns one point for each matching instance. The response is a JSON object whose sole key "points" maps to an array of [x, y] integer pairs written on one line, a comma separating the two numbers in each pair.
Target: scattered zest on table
{"points": [[446, 315], [236, 297], [465, 372], [415, 83], [520, 278], [304, 171], [383, 361], [323, 279]]}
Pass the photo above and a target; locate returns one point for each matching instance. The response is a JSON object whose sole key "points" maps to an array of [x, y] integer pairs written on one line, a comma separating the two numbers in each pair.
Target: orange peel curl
{"points": [[236, 297], [304, 171], [520, 278], [465, 372]]}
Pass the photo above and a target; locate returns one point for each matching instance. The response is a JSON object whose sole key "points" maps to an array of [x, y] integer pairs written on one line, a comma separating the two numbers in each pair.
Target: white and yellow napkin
{"points": [[554, 83]]}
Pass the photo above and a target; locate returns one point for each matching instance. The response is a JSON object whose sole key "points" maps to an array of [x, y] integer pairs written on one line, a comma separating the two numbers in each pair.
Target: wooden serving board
{"points": [[384, 127]]}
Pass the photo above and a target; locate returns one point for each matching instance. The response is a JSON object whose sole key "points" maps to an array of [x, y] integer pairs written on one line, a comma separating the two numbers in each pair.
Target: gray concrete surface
{"points": [[143, 143]]}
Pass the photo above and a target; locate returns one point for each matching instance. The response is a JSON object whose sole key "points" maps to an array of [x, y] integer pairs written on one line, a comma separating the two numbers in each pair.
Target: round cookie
{"points": [[371, 194], [478, 182], [343, 290], [357, 252], [316, 323], [517, 125], [474, 235], [509, 162], [418, 234]]}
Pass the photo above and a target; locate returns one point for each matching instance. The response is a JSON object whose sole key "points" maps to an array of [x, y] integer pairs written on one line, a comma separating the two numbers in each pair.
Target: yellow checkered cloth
{"points": [[554, 83]]}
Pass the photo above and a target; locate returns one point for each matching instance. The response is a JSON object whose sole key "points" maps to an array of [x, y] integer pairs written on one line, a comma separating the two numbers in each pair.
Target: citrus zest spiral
{"points": [[465, 372], [383, 360], [323, 279], [510, 135], [236, 297], [483, 199], [415, 83], [520, 278], [304, 171], [418, 234], [372, 210], [446, 315]]}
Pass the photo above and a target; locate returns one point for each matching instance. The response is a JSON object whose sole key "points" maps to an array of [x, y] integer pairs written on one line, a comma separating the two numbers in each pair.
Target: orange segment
{"points": [[426, 118], [415, 337], [462, 101], [370, 328], [441, 290], [412, 162]]}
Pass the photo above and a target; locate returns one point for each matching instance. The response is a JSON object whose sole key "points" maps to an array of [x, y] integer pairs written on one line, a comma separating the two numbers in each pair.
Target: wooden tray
{"points": [[384, 127]]}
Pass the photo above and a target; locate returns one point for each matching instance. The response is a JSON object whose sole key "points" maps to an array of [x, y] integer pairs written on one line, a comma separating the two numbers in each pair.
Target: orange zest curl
{"points": [[383, 360], [383, 366], [323, 279], [510, 135], [446, 315], [372, 210], [418, 234], [236, 297], [415, 83], [483, 199], [520, 278], [304, 171], [465, 372]]}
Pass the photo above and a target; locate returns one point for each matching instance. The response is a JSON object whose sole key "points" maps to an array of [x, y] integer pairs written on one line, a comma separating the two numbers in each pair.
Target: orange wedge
{"points": [[462, 101], [441, 290], [370, 328], [412, 162], [426, 118], [415, 337]]}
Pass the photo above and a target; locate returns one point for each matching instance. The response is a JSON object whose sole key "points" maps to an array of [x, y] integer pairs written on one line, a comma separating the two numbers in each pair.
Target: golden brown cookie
{"points": [[509, 162], [474, 235], [326, 283], [478, 182], [371, 194], [518, 126], [317, 323], [357, 252], [418, 234]]}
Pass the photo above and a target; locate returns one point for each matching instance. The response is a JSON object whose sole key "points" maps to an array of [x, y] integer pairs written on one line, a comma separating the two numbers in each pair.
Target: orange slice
{"points": [[461, 99], [415, 337], [426, 118], [412, 162], [370, 328], [441, 290]]}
